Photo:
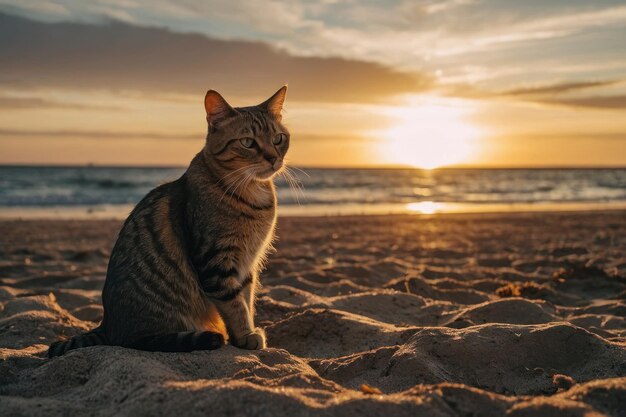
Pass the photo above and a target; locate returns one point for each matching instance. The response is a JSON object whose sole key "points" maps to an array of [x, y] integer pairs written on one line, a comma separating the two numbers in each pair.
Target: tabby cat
{"points": [[185, 267]]}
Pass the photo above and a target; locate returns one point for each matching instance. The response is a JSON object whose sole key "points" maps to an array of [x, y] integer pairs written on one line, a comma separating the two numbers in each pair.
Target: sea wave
{"points": [[86, 186]]}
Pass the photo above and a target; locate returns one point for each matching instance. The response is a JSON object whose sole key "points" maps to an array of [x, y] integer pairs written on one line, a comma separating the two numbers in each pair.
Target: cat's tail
{"points": [[92, 338], [180, 342], [170, 342]]}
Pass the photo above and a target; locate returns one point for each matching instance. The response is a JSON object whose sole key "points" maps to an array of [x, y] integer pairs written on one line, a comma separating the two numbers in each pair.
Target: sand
{"points": [[455, 315]]}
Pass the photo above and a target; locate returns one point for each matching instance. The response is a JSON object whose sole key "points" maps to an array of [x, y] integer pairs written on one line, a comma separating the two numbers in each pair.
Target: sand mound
{"points": [[431, 289], [518, 315], [323, 333], [36, 319], [513, 311], [390, 307], [504, 359]]}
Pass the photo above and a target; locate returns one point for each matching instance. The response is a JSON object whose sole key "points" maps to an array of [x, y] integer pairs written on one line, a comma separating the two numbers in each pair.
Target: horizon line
{"points": [[358, 167]]}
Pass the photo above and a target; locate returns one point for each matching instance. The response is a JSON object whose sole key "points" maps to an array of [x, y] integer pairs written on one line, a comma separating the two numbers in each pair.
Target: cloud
{"points": [[549, 94], [98, 135], [80, 134], [616, 102], [509, 30], [569, 135], [559, 88], [119, 57], [424, 36], [545, 94], [23, 103]]}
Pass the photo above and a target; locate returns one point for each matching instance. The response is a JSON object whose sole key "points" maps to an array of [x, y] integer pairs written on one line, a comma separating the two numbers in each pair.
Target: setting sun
{"points": [[429, 133]]}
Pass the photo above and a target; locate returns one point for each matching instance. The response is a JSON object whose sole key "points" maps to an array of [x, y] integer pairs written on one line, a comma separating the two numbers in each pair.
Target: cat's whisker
{"points": [[230, 174], [301, 170], [240, 182], [290, 185], [294, 184], [291, 180], [233, 185], [296, 180], [225, 193], [245, 180]]}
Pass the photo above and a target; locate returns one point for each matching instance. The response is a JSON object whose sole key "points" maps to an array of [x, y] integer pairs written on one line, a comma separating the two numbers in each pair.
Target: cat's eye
{"points": [[278, 139], [247, 142]]}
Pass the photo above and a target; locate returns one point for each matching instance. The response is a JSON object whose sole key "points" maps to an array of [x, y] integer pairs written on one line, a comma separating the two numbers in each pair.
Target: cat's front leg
{"points": [[249, 294], [238, 320], [231, 299]]}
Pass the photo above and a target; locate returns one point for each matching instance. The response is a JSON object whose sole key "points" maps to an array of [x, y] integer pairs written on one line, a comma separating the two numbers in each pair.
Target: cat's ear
{"points": [[274, 104], [216, 107]]}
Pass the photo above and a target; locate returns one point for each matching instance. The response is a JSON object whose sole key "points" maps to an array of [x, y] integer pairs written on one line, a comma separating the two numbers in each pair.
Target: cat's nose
{"points": [[275, 161]]}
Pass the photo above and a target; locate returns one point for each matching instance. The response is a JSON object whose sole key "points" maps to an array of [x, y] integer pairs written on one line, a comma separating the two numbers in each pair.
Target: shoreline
{"points": [[423, 208]]}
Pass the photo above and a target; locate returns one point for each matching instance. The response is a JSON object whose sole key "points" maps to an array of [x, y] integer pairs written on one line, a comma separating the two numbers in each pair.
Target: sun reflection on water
{"points": [[425, 207]]}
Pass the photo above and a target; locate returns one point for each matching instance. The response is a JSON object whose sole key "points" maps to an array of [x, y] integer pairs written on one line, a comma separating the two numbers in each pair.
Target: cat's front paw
{"points": [[252, 340]]}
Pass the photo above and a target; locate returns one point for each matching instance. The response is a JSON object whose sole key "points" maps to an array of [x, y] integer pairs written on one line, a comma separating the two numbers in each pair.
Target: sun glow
{"points": [[429, 133], [425, 207]]}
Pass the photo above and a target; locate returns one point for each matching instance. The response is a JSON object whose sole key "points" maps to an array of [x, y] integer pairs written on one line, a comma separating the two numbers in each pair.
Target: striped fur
{"points": [[180, 342], [93, 338], [185, 268]]}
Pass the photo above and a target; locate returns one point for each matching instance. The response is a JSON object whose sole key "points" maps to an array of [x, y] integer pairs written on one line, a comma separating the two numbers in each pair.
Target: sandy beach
{"points": [[445, 315]]}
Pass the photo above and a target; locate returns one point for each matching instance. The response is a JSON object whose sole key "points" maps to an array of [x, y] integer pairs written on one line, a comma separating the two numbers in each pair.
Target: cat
{"points": [[184, 271]]}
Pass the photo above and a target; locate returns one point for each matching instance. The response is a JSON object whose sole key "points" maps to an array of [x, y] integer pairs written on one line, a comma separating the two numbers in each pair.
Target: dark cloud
{"points": [[559, 88], [553, 94], [593, 102], [546, 95], [471, 91], [97, 135], [120, 57], [569, 135], [15, 133], [23, 103]]}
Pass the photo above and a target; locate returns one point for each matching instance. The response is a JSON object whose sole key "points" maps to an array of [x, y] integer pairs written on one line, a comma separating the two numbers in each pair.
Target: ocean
{"points": [[45, 191]]}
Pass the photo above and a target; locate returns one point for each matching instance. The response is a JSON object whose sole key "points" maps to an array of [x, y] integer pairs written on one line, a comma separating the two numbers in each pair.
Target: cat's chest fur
{"points": [[253, 242], [239, 234]]}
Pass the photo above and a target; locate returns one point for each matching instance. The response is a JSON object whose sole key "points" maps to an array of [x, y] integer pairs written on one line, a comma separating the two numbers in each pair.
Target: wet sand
{"points": [[453, 315]]}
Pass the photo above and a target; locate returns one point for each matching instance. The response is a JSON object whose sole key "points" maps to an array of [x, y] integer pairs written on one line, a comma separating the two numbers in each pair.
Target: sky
{"points": [[429, 83]]}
